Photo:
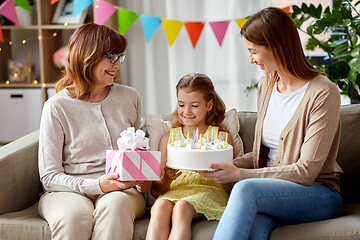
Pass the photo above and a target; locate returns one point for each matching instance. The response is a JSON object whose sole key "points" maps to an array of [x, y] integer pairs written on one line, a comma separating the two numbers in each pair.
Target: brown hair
{"points": [[274, 28], [202, 83], [87, 47]]}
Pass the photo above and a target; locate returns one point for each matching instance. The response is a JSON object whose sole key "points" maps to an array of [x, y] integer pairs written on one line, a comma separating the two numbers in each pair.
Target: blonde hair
{"points": [[87, 46], [201, 83], [274, 28]]}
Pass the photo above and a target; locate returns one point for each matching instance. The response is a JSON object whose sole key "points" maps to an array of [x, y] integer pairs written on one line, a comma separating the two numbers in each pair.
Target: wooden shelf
{"points": [[42, 40]]}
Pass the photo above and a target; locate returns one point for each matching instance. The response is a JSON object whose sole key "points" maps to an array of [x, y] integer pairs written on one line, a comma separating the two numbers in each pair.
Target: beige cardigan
{"points": [[308, 144]]}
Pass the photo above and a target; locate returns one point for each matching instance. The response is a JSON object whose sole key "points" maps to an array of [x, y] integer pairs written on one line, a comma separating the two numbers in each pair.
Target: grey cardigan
{"points": [[74, 135]]}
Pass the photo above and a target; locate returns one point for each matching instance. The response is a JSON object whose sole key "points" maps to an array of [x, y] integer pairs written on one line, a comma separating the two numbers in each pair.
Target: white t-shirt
{"points": [[280, 109]]}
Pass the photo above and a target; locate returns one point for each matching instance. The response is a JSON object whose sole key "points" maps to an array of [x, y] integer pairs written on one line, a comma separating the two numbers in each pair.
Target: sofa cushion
{"points": [[157, 126], [345, 227], [248, 121], [349, 152], [25, 224]]}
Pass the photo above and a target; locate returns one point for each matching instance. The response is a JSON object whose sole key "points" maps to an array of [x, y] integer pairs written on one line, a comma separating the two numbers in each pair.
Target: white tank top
{"points": [[280, 109]]}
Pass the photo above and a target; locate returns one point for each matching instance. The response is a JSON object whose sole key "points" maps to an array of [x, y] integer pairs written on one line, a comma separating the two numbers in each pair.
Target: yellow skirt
{"points": [[205, 195]]}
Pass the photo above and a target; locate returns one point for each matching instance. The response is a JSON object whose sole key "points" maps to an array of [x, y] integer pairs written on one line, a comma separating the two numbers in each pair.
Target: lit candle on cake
{"points": [[172, 138], [179, 135], [212, 137], [199, 141], [187, 139], [194, 138], [197, 134], [226, 139], [207, 138]]}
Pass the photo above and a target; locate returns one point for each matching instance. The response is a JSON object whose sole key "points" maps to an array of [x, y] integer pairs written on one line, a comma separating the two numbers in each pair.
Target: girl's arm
{"points": [[167, 175]]}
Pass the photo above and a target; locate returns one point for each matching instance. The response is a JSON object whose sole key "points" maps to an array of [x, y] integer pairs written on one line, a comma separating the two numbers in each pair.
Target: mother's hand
{"points": [[227, 173], [109, 183]]}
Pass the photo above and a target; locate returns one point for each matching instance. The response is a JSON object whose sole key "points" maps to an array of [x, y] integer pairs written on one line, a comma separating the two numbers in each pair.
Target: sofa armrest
{"points": [[19, 175]]}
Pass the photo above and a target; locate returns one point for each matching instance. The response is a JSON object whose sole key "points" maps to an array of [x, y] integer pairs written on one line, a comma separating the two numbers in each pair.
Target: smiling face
{"points": [[192, 108], [104, 72], [261, 56]]}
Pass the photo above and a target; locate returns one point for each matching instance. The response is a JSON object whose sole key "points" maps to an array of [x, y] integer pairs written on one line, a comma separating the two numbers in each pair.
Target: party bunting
{"points": [[7, 9], [150, 25], [24, 4], [53, 1], [219, 29], [126, 18], [172, 29], [194, 30], [286, 9], [80, 6], [1, 35], [103, 11], [240, 22]]}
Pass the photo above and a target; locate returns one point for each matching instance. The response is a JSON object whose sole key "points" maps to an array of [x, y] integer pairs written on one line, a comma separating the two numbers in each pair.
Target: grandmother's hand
{"points": [[109, 183], [227, 173]]}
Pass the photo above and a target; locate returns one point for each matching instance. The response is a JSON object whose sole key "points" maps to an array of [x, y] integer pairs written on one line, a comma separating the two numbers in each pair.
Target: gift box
{"points": [[134, 165]]}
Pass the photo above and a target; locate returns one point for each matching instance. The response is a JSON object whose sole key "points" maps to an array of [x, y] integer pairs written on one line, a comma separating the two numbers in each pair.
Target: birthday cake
{"points": [[191, 155]]}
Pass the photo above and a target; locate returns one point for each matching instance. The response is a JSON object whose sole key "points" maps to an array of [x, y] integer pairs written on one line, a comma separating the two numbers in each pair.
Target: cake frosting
{"points": [[190, 155]]}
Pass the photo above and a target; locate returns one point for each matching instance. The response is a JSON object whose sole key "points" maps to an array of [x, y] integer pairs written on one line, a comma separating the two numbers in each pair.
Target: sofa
{"points": [[20, 189]]}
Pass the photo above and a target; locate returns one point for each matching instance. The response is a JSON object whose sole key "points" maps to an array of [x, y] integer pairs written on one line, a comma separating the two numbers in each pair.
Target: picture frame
{"points": [[63, 13]]}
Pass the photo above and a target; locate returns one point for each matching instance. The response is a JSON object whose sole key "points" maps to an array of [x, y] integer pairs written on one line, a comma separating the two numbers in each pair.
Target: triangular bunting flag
{"points": [[24, 4], [53, 1], [103, 11], [219, 29], [194, 30], [80, 5], [286, 9], [150, 25], [240, 22], [126, 18], [172, 29], [7, 9], [1, 35]]}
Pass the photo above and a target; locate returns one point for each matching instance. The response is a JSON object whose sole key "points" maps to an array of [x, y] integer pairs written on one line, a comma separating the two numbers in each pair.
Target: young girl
{"points": [[184, 195]]}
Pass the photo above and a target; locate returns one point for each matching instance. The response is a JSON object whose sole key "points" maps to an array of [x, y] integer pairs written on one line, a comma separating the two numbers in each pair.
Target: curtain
{"points": [[155, 68]]}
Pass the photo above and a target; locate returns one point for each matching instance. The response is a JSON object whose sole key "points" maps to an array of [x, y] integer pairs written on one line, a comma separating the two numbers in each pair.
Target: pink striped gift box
{"points": [[134, 165]]}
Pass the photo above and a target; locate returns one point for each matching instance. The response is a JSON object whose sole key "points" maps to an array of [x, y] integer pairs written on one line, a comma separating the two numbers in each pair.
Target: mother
{"points": [[291, 175]]}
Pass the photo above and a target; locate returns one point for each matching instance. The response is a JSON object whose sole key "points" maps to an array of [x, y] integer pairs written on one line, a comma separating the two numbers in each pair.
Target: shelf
{"points": [[20, 85]]}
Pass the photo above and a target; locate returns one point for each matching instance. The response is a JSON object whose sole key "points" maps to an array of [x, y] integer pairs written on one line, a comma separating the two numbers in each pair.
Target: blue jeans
{"points": [[257, 205]]}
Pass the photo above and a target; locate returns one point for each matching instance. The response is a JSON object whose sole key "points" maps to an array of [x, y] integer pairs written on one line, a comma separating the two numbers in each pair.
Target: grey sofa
{"points": [[20, 189]]}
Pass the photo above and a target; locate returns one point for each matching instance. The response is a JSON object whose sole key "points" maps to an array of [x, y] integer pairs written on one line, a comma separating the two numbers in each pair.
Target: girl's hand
{"points": [[109, 183], [172, 173], [227, 173], [143, 186]]}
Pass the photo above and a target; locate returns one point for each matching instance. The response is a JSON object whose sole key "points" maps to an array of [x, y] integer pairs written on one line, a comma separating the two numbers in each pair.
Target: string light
{"points": [[25, 41]]}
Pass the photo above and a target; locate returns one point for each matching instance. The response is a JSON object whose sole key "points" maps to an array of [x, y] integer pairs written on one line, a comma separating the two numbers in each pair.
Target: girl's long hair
{"points": [[201, 83], [274, 28], [87, 46]]}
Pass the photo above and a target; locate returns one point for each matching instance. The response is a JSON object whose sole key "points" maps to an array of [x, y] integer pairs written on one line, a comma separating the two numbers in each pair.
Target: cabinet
{"points": [[20, 112]]}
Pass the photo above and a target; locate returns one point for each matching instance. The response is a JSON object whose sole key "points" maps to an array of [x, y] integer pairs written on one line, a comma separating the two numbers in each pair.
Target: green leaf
{"points": [[296, 10], [304, 8], [346, 22], [318, 11]]}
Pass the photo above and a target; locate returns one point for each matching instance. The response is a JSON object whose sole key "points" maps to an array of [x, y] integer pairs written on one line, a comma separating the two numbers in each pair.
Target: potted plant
{"points": [[341, 45]]}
